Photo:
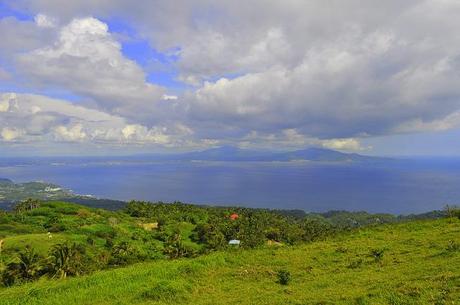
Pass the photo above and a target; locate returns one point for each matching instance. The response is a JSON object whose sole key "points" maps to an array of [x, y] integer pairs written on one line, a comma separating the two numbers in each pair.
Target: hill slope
{"points": [[11, 193], [420, 265]]}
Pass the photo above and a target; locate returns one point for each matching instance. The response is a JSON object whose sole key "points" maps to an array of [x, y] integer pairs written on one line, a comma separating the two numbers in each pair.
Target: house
{"points": [[234, 216], [234, 242]]}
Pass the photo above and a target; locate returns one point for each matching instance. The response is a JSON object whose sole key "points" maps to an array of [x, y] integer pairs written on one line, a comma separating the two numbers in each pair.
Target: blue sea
{"points": [[401, 187]]}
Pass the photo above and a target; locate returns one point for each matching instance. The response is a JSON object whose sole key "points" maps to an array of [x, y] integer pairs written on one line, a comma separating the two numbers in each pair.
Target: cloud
{"points": [[344, 144], [167, 97], [45, 21], [87, 60], [10, 134], [33, 118], [21, 36], [72, 134], [418, 125], [262, 73]]}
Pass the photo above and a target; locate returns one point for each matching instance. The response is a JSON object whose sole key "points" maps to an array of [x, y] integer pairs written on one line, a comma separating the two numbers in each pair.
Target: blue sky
{"points": [[117, 77]]}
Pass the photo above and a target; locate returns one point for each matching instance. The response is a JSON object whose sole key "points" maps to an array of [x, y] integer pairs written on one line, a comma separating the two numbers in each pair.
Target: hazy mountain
{"points": [[230, 153]]}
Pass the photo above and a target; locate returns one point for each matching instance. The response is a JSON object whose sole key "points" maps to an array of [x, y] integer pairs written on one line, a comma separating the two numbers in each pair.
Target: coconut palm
{"points": [[28, 267], [66, 259]]}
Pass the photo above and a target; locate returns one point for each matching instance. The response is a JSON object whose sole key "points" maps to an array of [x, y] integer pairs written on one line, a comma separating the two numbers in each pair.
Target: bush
{"points": [[284, 277], [452, 211], [453, 246], [377, 254], [123, 253], [28, 267], [67, 260], [175, 248]]}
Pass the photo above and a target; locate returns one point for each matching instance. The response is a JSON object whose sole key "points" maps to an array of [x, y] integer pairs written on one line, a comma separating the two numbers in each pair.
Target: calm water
{"points": [[396, 187]]}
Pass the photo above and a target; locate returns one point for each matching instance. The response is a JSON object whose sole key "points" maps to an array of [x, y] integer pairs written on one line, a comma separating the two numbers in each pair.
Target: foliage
{"points": [[71, 240], [417, 270], [453, 246], [66, 260], [284, 277], [28, 267], [452, 211], [377, 254], [122, 253], [175, 248]]}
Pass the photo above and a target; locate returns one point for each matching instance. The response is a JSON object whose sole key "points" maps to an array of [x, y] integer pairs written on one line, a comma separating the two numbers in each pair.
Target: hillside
{"points": [[11, 193], [416, 262]]}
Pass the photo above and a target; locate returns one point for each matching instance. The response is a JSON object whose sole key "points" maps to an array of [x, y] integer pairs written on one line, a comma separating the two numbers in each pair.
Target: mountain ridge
{"points": [[233, 153]]}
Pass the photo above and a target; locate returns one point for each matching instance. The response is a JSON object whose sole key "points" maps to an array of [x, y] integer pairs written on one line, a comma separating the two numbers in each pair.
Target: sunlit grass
{"points": [[417, 267]]}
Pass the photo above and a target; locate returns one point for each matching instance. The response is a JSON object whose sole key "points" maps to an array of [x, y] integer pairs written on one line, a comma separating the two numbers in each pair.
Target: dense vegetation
{"points": [[56, 240], [414, 262]]}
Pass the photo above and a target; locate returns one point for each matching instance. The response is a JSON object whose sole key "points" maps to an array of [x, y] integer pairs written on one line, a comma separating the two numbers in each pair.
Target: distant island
{"points": [[232, 153]]}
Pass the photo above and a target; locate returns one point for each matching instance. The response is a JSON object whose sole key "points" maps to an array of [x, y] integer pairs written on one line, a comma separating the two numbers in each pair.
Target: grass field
{"points": [[420, 265]]}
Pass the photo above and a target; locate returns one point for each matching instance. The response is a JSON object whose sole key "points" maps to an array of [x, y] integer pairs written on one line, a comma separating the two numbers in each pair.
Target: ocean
{"points": [[400, 187]]}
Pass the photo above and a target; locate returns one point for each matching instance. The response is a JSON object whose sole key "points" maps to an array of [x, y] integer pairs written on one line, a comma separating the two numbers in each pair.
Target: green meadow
{"points": [[415, 262]]}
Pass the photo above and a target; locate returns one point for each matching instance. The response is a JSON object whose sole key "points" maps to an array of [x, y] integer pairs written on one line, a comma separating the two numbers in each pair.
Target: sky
{"points": [[104, 77]]}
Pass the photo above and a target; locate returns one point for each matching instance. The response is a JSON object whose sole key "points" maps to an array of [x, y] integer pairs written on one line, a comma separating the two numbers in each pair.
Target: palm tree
{"points": [[175, 248], [66, 260], [28, 268], [26, 205]]}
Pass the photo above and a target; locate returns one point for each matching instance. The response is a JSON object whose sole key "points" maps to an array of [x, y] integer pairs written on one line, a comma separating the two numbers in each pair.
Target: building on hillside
{"points": [[234, 242]]}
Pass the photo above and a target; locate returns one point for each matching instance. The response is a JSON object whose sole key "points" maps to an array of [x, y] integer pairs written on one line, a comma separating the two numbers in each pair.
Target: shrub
{"points": [[453, 246], [123, 253], [377, 254], [452, 211], [90, 241], [175, 248], [28, 267], [67, 260], [284, 277]]}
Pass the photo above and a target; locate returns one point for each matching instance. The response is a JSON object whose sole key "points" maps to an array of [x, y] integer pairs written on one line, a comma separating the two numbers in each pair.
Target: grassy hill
{"points": [[416, 262]]}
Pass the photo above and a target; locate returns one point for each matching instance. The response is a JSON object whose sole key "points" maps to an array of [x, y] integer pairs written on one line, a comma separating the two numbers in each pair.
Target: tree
{"points": [[210, 235], [66, 260], [175, 248], [122, 254], [27, 205], [29, 267]]}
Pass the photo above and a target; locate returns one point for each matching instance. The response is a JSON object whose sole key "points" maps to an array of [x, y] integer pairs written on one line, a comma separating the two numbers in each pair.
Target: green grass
{"points": [[420, 265]]}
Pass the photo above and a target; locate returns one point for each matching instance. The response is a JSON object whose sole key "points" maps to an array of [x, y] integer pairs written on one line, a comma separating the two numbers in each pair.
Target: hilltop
{"points": [[408, 263]]}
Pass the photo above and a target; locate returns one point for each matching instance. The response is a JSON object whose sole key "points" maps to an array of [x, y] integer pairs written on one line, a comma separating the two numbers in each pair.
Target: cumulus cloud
{"points": [[349, 144], [45, 21], [10, 134], [34, 118], [72, 134], [293, 73], [88, 61]]}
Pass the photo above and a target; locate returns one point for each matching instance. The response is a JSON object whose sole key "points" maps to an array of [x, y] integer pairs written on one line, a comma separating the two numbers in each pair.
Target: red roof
{"points": [[234, 216]]}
